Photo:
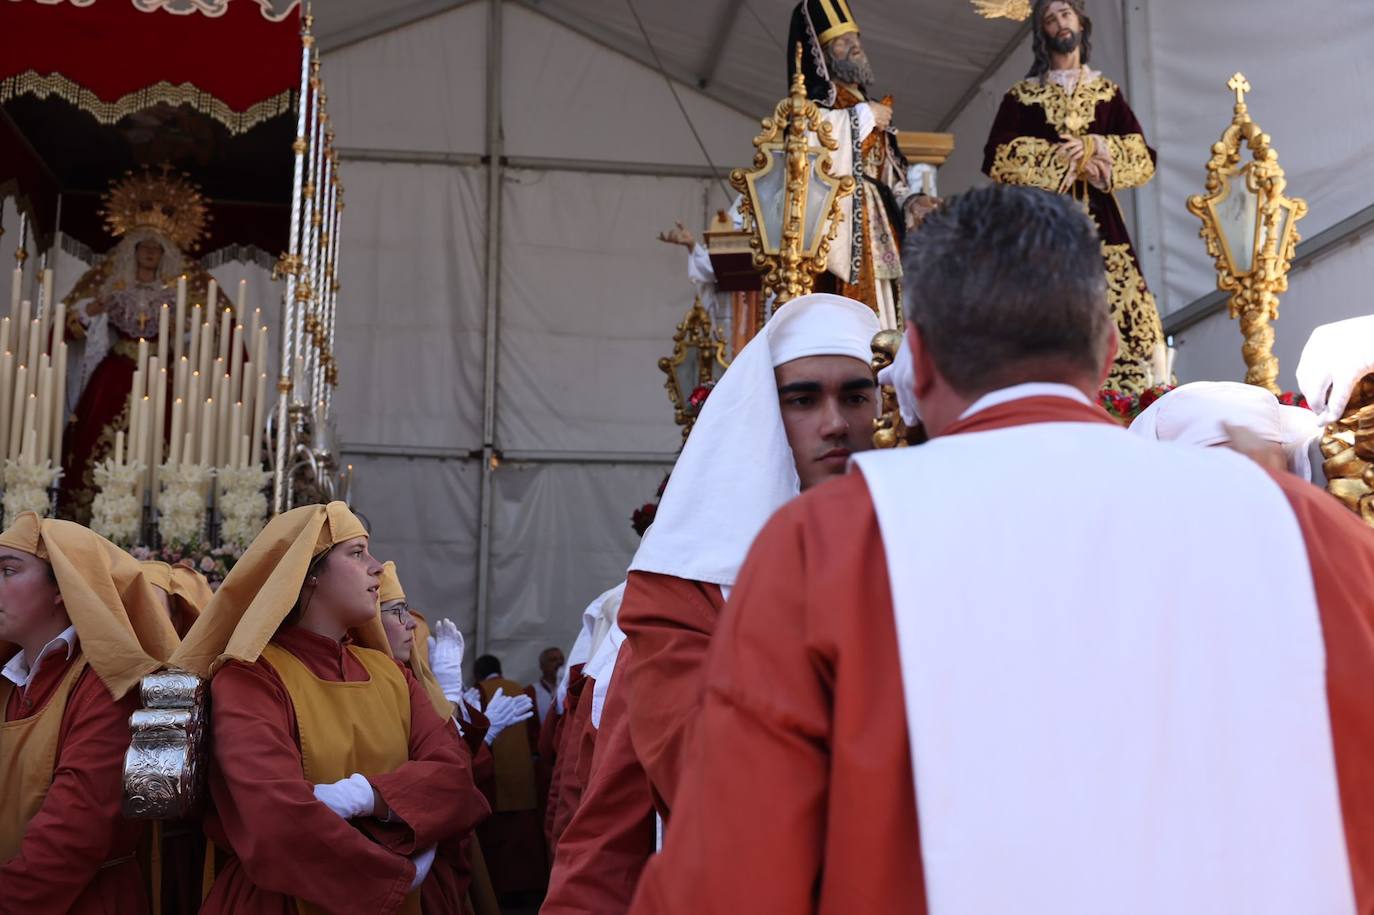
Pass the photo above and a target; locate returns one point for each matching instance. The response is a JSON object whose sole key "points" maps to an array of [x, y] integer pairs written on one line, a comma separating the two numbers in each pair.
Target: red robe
{"points": [[611, 836], [446, 888], [564, 790], [668, 623], [805, 684], [63, 864], [283, 842]]}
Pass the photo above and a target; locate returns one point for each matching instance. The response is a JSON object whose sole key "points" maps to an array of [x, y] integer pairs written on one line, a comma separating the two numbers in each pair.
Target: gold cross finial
{"points": [[1239, 85]]}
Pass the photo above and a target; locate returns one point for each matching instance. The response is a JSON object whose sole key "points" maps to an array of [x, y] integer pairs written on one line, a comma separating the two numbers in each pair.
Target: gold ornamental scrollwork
{"points": [[1347, 448], [1254, 256], [797, 135], [889, 431], [698, 347]]}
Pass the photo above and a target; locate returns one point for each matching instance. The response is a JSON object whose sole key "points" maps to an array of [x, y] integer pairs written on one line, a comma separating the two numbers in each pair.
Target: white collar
{"points": [[1021, 391], [17, 671]]}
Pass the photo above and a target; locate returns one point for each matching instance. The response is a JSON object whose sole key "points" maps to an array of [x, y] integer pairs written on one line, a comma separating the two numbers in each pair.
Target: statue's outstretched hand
{"points": [[678, 235]]}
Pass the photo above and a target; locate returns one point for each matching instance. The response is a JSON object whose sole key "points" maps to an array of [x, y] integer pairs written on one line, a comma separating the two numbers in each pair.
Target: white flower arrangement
{"points": [[116, 513], [181, 504], [26, 488], [242, 504]]}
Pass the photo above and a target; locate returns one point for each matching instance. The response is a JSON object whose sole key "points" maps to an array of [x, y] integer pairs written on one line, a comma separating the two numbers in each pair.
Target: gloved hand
{"points": [[349, 797], [473, 697], [422, 860], [446, 658], [504, 711], [1334, 360], [901, 376]]}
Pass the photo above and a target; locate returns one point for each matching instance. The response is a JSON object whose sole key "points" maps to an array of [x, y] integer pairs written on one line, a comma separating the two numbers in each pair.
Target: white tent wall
{"points": [[598, 159]]}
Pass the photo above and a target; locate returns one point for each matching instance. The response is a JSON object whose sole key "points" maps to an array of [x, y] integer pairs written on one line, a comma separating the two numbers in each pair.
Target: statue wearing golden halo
{"points": [[159, 218]]}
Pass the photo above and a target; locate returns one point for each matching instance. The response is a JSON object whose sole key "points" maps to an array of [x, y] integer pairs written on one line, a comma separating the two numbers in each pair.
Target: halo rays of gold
{"points": [[1018, 10], [161, 200]]}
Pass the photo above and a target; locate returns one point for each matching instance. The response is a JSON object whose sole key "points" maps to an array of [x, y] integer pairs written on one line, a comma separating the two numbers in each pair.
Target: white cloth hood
{"points": [[736, 468], [581, 652], [1194, 413]]}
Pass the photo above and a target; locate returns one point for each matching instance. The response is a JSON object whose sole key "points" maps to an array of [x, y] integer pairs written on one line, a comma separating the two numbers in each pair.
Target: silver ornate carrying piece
{"points": [[164, 771]]}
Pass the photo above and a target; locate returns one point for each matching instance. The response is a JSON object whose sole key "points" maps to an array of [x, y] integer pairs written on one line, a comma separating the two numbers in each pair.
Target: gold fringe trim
{"points": [[55, 84]]}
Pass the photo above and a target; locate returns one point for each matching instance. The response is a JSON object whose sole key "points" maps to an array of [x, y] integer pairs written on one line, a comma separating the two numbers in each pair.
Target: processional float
{"points": [[137, 99], [204, 163]]}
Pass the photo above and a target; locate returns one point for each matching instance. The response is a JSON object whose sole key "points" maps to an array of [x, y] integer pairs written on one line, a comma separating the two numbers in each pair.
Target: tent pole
{"points": [[491, 326]]}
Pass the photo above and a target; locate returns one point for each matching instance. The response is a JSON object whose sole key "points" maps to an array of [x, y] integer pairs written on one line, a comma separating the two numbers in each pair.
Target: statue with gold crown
{"points": [[159, 218]]}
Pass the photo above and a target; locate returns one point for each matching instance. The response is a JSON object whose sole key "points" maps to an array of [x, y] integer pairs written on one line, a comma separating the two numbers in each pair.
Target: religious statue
{"points": [[865, 258], [1066, 128], [158, 218]]}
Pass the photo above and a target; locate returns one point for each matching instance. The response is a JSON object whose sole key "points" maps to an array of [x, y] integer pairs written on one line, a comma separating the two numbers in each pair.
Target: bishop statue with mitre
{"points": [[866, 257]]}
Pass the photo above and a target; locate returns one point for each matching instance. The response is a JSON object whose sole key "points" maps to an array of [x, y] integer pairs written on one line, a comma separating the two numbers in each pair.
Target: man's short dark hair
{"points": [[1006, 285], [485, 666]]}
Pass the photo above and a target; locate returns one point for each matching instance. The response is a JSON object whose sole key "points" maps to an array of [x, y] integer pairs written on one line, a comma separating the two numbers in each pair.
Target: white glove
{"points": [[1334, 360], [422, 860], [446, 659], [349, 797], [504, 711], [901, 376], [473, 697]]}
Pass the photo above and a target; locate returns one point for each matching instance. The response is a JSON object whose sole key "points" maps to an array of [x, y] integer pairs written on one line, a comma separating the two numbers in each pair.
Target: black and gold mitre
{"points": [[816, 23]]}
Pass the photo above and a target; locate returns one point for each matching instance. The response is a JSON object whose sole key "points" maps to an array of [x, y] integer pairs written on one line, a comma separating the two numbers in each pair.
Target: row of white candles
{"points": [[33, 377], [218, 404]]}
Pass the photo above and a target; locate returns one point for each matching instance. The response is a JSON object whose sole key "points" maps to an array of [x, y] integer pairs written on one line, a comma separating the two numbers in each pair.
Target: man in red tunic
{"points": [[952, 695], [79, 626], [794, 405]]}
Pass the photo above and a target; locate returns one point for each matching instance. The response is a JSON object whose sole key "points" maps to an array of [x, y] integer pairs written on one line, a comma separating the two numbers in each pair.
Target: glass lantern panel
{"points": [[1237, 215], [686, 373], [816, 193], [771, 191]]}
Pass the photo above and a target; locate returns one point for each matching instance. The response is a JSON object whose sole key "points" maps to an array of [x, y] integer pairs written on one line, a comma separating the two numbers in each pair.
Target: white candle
{"points": [[134, 431], [236, 361], [35, 347], [135, 392], [255, 444], [242, 302], [178, 421], [159, 425], [207, 345], [235, 433], [16, 289], [45, 311], [260, 357], [211, 299], [226, 325], [164, 318], [142, 359], [17, 412], [21, 330], [59, 426], [248, 385], [119, 448], [193, 330], [26, 454], [244, 445], [252, 338], [193, 401], [222, 423], [188, 447], [207, 433], [183, 375], [43, 418], [5, 324], [6, 385], [178, 343]]}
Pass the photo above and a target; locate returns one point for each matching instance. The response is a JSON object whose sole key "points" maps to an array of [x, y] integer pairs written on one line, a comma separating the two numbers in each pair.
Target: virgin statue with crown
{"points": [[159, 219]]}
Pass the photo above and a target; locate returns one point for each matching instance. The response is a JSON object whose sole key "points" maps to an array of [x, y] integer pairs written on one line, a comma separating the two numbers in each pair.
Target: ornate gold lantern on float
{"points": [[698, 359], [791, 199], [1248, 224]]}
